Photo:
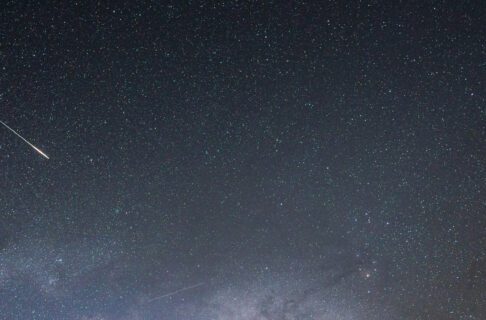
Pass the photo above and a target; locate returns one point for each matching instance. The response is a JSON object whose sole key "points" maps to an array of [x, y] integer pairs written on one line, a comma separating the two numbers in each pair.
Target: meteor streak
{"points": [[25, 140], [175, 292]]}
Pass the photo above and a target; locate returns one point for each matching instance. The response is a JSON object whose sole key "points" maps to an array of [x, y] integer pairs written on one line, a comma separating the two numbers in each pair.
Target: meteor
{"points": [[175, 292], [26, 141]]}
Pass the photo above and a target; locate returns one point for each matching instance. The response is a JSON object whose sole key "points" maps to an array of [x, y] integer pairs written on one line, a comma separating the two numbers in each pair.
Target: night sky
{"points": [[243, 160]]}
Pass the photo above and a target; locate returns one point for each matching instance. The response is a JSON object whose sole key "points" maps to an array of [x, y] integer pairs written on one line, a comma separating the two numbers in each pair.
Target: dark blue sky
{"points": [[302, 160]]}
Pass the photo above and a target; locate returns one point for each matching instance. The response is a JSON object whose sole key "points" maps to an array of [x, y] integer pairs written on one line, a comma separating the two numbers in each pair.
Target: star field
{"points": [[262, 160]]}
